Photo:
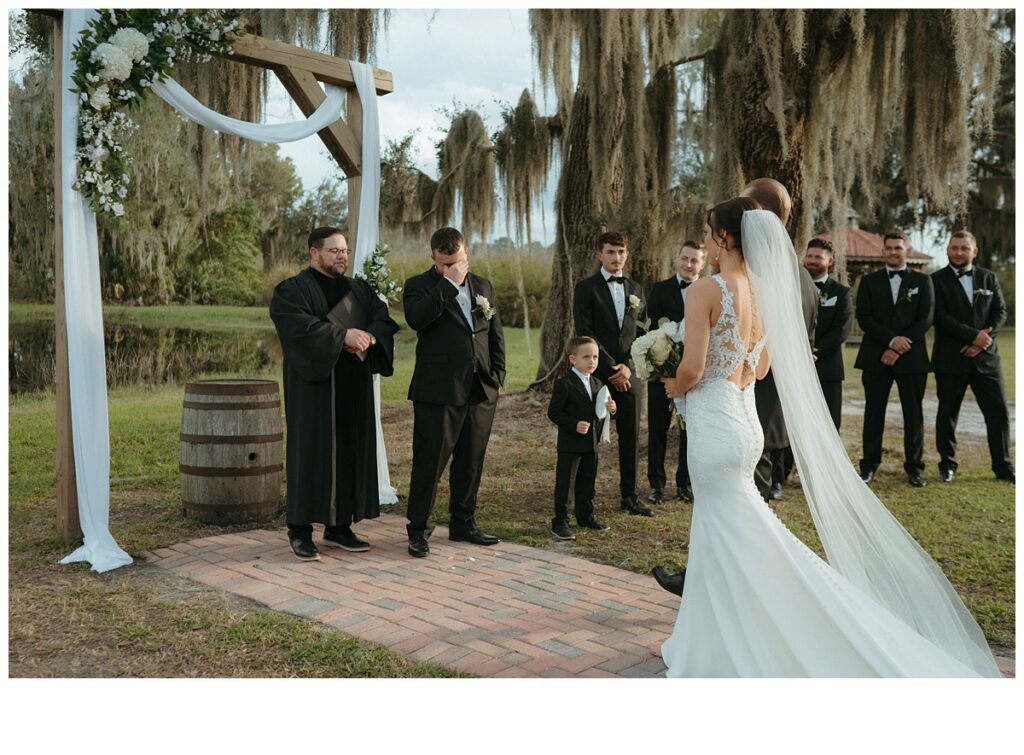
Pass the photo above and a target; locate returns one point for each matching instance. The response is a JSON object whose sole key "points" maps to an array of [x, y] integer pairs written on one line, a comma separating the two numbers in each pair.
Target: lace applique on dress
{"points": [[726, 348]]}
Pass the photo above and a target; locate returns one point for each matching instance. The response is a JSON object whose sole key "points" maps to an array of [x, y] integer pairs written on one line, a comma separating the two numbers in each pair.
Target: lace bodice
{"points": [[726, 349]]}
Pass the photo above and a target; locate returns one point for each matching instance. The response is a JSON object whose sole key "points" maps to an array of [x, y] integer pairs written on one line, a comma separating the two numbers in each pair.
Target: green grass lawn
{"points": [[135, 622]]}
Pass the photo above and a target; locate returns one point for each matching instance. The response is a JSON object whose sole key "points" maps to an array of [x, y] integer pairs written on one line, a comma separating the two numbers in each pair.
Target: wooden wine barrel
{"points": [[231, 451]]}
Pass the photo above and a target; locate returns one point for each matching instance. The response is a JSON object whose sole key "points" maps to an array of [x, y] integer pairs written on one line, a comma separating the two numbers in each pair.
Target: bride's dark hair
{"points": [[728, 216]]}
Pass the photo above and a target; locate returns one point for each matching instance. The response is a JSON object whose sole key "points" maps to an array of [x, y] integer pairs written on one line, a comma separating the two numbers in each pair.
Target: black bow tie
{"points": [[894, 273], [616, 279], [820, 285], [962, 273], [684, 284]]}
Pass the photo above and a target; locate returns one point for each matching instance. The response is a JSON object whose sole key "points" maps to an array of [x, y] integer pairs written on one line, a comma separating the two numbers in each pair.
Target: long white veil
{"points": [[862, 540]]}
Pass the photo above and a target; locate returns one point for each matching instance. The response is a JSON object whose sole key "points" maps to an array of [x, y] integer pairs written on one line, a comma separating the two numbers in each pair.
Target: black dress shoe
{"points": [[917, 480], [592, 524], [867, 476], [775, 493], [344, 538], [303, 548], [686, 494], [946, 475], [669, 581], [561, 531], [418, 546], [1010, 477], [473, 536], [630, 504], [656, 496]]}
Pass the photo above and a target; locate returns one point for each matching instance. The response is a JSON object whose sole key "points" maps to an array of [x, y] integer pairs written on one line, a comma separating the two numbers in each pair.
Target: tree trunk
{"points": [[577, 229]]}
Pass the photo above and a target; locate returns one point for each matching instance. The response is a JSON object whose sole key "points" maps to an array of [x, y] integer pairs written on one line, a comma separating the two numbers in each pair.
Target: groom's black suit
{"points": [[454, 391], [593, 312], [882, 320], [665, 300], [957, 323], [766, 395]]}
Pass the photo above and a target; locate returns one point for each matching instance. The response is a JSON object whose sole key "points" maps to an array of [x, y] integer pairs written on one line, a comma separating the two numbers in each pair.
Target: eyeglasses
{"points": [[335, 251]]}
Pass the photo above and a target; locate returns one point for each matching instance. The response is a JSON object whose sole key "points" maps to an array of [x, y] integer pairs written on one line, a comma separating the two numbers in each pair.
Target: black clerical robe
{"points": [[331, 463]]}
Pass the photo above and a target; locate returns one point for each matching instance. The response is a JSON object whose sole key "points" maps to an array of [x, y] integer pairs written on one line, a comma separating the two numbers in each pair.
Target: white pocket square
{"points": [[830, 302]]}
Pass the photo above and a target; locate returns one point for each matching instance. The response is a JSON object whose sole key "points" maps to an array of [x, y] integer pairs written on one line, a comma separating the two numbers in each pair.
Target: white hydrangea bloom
{"points": [[117, 66], [133, 42], [100, 99]]}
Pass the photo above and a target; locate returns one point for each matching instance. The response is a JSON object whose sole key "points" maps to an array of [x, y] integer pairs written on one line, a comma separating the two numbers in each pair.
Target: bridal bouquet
{"points": [[657, 354]]}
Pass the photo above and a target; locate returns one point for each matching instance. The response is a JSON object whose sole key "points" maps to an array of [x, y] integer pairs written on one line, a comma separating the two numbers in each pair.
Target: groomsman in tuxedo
{"points": [[895, 307], [835, 321], [668, 299], [607, 307], [460, 367], [969, 312]]}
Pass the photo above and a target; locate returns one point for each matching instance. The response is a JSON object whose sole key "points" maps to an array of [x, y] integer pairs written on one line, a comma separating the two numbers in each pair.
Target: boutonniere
{"points": [[484, 307], [822, 298], [909, 294], [635, 304], [979, 292]]}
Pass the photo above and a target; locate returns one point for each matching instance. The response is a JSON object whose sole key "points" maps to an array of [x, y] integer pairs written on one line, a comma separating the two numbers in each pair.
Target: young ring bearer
{"points": [[580, 406]]}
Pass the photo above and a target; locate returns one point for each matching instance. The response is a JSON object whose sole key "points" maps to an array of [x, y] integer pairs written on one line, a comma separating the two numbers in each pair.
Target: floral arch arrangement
{"points": [[118, 57]]}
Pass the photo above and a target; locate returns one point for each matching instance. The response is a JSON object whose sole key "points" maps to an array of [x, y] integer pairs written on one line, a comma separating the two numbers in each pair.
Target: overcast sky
{"points": [[477, 58]]}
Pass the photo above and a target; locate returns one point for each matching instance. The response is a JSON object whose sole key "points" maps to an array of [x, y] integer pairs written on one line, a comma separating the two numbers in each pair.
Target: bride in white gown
{"points": [[757, 602]]}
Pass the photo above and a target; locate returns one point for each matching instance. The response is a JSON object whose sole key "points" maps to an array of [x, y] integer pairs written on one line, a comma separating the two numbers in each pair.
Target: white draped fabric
{"points": [[171, 92], [84, 312], [368, 235], [83, 304]]}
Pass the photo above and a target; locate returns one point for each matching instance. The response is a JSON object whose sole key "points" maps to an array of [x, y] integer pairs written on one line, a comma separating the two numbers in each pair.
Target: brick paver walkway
{"points": [[503, 611]]}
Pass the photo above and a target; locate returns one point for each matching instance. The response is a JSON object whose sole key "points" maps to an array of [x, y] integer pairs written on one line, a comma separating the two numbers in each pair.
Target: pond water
{"points": [[140, 355]]}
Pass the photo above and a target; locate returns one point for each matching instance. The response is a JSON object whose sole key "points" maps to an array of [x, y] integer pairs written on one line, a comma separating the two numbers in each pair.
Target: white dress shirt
{"points": [[586, 382], [966, 282], [618, 292], [463, 300], [896, 280], [683, 291]]}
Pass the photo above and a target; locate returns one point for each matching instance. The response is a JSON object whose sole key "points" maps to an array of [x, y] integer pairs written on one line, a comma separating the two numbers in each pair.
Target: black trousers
{"points": [[442, 432], [833, 392], [877, 386], [991, 396], [659, 421], [584, 467], [627, 427]]}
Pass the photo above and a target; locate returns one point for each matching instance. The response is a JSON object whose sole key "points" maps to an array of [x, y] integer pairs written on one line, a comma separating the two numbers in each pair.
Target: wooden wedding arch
{"points": [[301, 71]]}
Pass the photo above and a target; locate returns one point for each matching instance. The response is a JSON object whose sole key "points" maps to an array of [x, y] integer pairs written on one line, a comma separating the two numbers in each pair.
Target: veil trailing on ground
{"points": [[862, 540]]}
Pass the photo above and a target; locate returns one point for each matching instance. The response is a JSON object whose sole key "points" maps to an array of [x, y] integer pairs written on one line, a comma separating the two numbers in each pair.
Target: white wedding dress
{"points": [[757, 602]]}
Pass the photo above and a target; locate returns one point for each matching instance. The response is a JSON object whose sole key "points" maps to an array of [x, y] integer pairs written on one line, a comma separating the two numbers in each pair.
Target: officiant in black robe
{"points": [[335, 334]]}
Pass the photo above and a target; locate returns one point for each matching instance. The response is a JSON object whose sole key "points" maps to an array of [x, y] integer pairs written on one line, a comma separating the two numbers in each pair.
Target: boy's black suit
{"points": [[454, 391], [664, 300], [957, 323], [569, 406], [593, 312], [882, 320], [835, 322]]}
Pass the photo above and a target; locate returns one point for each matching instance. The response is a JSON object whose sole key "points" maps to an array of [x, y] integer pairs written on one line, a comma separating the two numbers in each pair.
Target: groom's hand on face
{"points": [[582, 427], [457, 270]]}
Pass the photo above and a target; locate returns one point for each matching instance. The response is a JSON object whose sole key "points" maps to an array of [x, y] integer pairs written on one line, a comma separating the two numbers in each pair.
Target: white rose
{"points": [[133, 42], [117, 66], [100, 99], [661, 348], [118, 209]]}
